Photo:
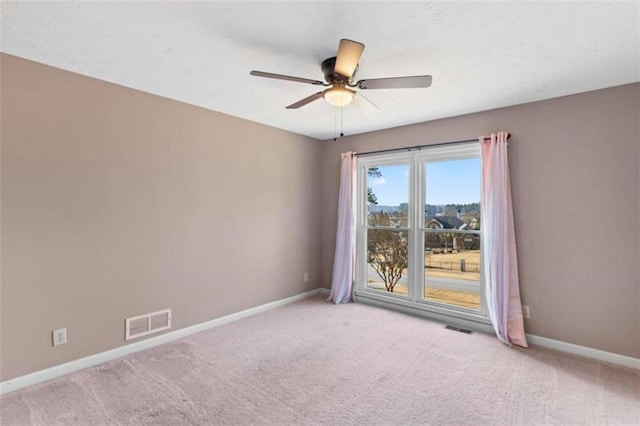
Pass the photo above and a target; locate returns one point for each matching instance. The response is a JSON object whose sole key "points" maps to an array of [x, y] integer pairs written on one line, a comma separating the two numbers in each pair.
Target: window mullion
{"points": [[416, 238]]}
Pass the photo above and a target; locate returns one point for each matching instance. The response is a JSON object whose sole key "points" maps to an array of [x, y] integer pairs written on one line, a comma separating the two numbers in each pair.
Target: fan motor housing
{"points": [[328, 69]]}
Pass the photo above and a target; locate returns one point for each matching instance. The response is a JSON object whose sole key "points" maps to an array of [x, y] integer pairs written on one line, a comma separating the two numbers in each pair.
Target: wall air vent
{"points": [[144, 325]]}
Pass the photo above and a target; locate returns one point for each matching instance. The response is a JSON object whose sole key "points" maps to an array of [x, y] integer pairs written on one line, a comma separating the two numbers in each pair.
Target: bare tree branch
{"points": [[387, 250]]}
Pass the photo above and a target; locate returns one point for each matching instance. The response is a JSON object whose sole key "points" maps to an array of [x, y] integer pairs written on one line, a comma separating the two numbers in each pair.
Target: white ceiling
{"points": [[482, 55]]}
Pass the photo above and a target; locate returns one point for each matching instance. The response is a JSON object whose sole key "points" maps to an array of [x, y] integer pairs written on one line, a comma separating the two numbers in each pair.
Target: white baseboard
{"points": [[102, 357], [585, 351]]}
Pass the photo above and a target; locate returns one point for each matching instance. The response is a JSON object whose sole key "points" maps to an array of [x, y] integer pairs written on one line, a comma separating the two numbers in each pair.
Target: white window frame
{"points": [[416, 231]]}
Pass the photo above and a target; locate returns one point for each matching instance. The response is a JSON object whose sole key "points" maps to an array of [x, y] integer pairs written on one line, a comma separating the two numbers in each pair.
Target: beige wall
{"points": [[574, 172], [117, 203]]}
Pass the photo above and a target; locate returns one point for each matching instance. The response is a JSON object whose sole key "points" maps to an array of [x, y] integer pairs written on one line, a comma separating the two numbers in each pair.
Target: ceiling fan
{"points": [[339, 72]]}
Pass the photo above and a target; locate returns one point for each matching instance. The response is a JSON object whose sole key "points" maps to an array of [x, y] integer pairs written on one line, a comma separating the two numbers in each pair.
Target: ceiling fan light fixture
{"points": [[339, 73], [338, 96]]}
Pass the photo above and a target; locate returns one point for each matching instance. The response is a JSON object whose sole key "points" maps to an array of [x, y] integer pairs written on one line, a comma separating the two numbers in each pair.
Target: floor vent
{"points": [[144, 325], [461, 330]]}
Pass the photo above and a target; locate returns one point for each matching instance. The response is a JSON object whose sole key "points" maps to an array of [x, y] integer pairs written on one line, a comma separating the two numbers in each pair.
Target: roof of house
{"points": [[447, 222]]}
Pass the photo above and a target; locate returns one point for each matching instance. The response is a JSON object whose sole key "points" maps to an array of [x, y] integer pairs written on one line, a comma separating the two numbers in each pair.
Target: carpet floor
{"points": [[312, 362]]}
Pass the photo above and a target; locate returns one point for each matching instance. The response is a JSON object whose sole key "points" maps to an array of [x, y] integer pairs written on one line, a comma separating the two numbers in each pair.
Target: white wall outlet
{"points": [[305, 277], [59, 336], [526, 312]]}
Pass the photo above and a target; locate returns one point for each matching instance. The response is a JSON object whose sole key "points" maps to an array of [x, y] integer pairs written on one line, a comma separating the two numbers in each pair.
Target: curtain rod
{"points": [[419, 147]]}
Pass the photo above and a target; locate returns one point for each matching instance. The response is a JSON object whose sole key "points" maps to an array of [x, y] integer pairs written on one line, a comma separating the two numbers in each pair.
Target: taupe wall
{"points": [[574, 172], [117, 203]]}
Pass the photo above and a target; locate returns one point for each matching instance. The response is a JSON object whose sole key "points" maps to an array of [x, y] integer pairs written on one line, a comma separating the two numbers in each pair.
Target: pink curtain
{"points": [[499, 245], [343, 261]]}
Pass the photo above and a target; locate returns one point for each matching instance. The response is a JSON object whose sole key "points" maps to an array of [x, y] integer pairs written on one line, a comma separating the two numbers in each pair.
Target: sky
{"points": [[447, 182]]}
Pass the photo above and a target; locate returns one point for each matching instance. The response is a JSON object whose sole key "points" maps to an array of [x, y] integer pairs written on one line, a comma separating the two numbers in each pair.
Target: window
{"points": [[419, 236]]}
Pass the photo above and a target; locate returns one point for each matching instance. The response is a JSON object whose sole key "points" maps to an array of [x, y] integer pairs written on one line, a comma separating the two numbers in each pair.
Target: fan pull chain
{"points": [[335, 124]]}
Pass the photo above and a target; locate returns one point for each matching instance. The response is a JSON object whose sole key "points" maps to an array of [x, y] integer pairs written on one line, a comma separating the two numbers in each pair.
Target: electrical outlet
{"points": [[305, 277], [526, 312], [59, 336]]}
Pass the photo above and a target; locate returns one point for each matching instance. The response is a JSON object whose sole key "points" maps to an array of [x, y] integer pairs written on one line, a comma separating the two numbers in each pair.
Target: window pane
{"points": [[452, 194], [387, 260], [451, 252], [452, 268], [388, 195]]}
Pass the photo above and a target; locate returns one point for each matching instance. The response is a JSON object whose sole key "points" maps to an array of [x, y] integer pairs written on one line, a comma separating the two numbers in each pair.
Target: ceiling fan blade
{"points": [[286, 77], [305, 101], [395, 82], [363, 103], [349, 53]]}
